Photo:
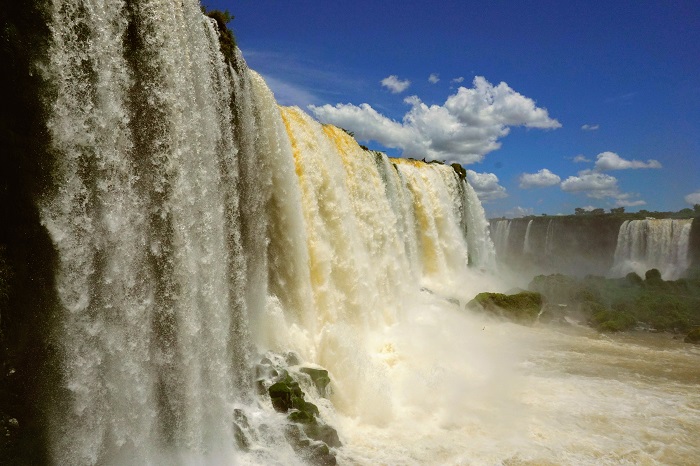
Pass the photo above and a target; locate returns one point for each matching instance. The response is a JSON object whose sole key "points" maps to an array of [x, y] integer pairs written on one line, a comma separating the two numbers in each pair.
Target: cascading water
{"points": [[194, 227], [146, 222], [549, 239], [501, 237], [203, 235], [653, 243], [527, 247]]}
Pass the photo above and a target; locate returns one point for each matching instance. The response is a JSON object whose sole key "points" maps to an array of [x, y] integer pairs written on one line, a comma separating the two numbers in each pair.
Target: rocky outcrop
{"points": [[310, 437], [522, 307]]}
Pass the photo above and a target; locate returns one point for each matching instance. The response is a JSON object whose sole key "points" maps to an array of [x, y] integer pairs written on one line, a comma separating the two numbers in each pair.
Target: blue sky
{"points": [[551, 105]]}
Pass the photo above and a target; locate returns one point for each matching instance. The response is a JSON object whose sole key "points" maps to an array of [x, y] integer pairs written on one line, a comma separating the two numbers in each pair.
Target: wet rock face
{"points": [[310, 437], [522, 307], [319, 377]]}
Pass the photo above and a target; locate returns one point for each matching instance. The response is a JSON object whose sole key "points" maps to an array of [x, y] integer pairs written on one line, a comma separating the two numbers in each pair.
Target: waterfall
{"points": [[549, 239], [481, 248], [199, 226], [527, 247], [653, 243], [501, 237], [147, 225]]}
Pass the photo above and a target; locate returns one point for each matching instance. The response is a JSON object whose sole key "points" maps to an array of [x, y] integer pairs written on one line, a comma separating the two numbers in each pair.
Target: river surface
{"points": [[537, 396]]}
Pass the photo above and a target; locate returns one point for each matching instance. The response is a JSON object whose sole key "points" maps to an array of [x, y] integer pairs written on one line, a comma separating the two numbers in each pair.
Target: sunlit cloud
{"points": [[595, 185], [611, 161], [541, 179], [590, 127], [464, 129], [458, 80], [486, 185], [394, 84], [693, 198], [519, 211], [598, 185], [433, 78], [581, 159], [629, 203]]}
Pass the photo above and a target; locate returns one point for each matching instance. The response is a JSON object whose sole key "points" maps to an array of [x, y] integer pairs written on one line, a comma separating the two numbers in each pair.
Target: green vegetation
{"points": [[227, 41], [348, 132], [612, 305], [693, 336], [459, 170], [522, 307], [619, 212]]}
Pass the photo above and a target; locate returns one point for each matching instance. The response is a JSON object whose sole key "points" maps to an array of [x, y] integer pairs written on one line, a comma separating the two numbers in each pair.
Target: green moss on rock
{"points": [[285, 394], [459, 170], [611, 321], [227, 41], [319, 377], [521, 307]]}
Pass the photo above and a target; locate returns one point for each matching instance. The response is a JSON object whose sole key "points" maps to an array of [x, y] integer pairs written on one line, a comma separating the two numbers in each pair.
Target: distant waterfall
{"points": [[501, 236], [549, 239], [527, 247], [198, 225], [651, 243]]}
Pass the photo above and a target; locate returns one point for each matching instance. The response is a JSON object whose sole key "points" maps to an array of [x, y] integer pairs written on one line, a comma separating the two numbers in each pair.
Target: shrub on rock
{"points": [[693, 336], [520, 307]]}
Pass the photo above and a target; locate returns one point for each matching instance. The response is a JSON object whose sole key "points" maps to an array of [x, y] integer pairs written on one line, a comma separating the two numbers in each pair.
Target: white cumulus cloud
{"points": [[629, 203], [693, 198], [463, 130], [394, 84], [541, 179], [612, 161], [581, 158], [486, 185], [519, 211], [458, 80], [596, 185], [588, 127], [433, 78]]}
